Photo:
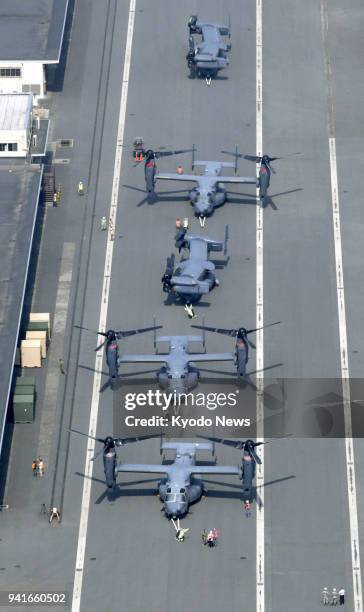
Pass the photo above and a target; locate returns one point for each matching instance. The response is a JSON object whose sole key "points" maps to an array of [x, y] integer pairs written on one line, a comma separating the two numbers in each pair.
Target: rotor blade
{"points": [[90, 330], [217, 330], [169, 153], [250, 331], [81, 433], [256, 458], [97, 454], [225, 441], [234, 153], [253, 158], [122, 441], [132, 332], [100, 345], [226, 239]]}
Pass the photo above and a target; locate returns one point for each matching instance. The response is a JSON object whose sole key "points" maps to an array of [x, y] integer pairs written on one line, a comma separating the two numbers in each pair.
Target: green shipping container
{"points": [[23, 390], [23, 408], [26, 381]]}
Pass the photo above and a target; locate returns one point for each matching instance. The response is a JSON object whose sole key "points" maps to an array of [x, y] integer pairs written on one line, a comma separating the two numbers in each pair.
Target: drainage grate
{"points": [[58, 160], [66, 143]]}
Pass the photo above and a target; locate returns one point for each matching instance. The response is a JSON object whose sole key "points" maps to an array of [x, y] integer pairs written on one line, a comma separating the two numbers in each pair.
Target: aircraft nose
{"points": [[174, 509]]}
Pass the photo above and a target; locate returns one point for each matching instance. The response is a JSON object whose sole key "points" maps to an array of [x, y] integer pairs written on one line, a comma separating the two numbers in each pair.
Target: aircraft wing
{"points": [[215, 469], [173, 176], [237, 179], [198, 248], [144, 468], [142, 358], [211, 357]]}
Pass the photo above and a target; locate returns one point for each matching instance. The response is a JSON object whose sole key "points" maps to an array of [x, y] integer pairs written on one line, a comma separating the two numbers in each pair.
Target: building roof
{"points": [[32, 30], [15, 111], [19, 194]]}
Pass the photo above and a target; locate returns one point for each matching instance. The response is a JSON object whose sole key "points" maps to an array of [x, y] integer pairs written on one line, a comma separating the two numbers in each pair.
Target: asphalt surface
{"points": [[131, 556]]}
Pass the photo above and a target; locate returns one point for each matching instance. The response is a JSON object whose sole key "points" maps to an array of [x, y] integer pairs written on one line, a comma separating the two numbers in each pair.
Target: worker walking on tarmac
{"points": [[54, 513], [325, 596], [35, 467], [103, 223], [41, 467], [342, 597], [81, 189], [334, 597]]}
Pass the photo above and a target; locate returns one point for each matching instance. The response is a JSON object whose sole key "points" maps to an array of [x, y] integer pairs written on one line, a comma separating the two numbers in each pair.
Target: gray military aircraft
{"points": [[207, 57], [194, 276], [179, 371], [182, 484], [210, 191]]}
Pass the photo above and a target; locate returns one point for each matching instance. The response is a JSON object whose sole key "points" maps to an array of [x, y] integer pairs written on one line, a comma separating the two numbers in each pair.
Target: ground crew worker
{"points": [[342, 597], [189, 309], [55, 199], [178, 223], [35, 467], [80, 188], [211, 538], [61, 365], [334, 597], [325, 596], [185, 223], [179, 170], [54, 514], [41, 467], [103, 223], [204, 536], [247, 508], [180, 535]]}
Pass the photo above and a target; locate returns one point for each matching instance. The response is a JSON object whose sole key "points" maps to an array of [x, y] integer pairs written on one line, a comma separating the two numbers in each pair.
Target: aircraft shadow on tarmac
{"points": [[122, 489]]}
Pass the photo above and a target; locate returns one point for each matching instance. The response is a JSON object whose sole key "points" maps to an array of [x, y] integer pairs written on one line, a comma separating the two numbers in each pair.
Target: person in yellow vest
{"points": [[80, 188]]}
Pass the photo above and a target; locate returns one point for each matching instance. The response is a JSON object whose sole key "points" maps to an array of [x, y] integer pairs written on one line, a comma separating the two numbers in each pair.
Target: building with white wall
{"points": [[15, 124], [31, 36]]}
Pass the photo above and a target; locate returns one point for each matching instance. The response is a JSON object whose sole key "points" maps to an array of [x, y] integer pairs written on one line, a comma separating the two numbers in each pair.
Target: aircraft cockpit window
{"points": [[176, 497]]}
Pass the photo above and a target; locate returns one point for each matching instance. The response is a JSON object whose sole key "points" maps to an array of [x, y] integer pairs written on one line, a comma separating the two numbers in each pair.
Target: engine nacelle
{"points": [[241, 358], [110, 467]]}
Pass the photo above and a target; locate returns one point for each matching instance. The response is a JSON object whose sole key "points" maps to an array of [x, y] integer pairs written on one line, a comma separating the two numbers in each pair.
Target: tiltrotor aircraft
{"points": [[179, 371], [182, 484], [210, 191], [194, 276], [207, 57]]}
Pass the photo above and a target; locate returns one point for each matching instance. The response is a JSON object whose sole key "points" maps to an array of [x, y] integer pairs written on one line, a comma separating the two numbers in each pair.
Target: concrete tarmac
{"points": [[132, 559]]}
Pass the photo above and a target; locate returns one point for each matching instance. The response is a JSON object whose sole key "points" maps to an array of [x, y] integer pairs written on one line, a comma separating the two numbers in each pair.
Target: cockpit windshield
{"points": [[176, 497]]}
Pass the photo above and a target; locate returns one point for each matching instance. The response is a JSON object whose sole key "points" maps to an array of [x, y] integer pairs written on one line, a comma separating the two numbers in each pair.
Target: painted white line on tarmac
{"points": [[260, 590], [343, 339], [86, 494], [345, 375]]}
